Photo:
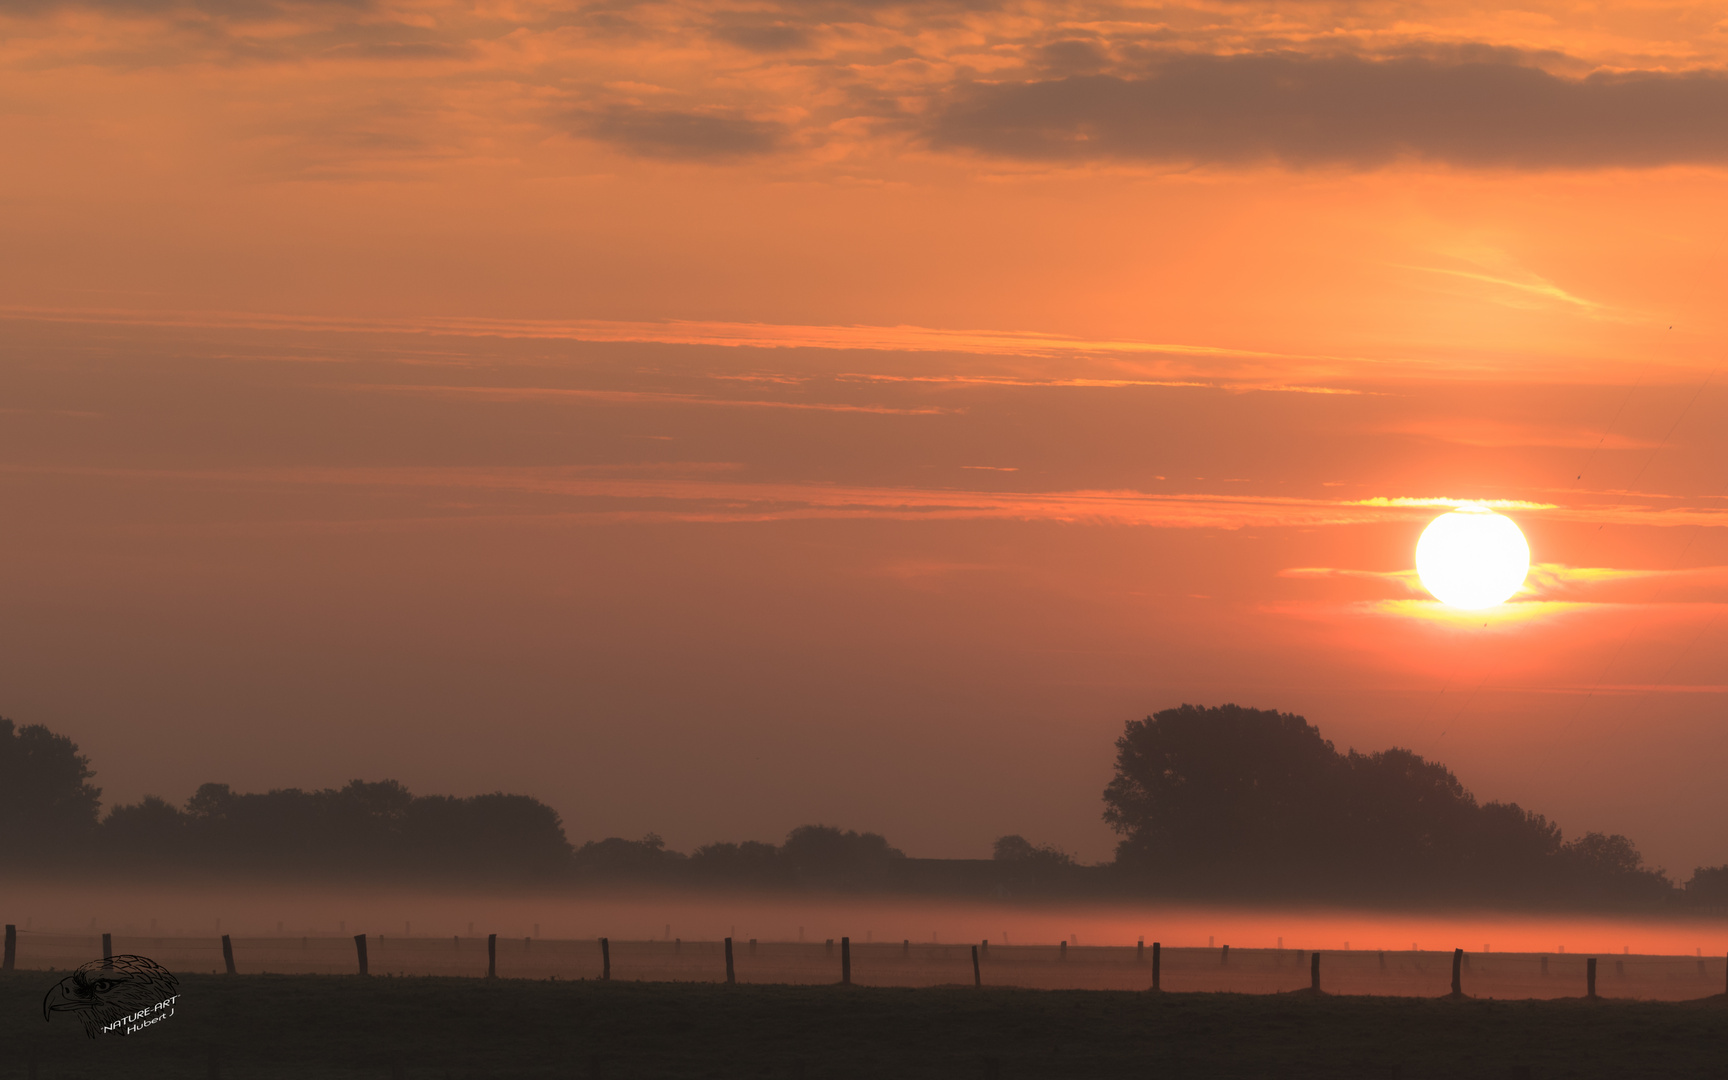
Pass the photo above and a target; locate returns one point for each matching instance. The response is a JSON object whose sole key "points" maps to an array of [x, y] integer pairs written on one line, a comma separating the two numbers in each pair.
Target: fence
{"points": [[1054, 966]]}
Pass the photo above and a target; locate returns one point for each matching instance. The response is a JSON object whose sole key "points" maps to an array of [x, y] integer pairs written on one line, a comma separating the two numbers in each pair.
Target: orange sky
{"points": [[716, 417]]}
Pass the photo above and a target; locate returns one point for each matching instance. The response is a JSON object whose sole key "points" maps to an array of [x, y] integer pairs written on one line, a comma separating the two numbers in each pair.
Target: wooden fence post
{"points": [[1225, 956], [8, 939], [1457, 972], [1140, 951], [1156, 950], [731, 976], [11, 957], [845, 961], [107, 950], [1314, 971], [491, 956], [1062, 951], [752, 946], [1590, 977], [605, 959], [906, 947], [228, 953], [360, 948], [977, 976]]}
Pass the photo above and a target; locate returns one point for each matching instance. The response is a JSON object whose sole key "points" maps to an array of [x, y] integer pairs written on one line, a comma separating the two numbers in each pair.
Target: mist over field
{"points": [[206, 909]]}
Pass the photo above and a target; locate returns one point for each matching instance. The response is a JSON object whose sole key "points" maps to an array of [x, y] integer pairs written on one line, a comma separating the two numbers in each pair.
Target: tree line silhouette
{"points": [[1255, 803], [1215, 803]]}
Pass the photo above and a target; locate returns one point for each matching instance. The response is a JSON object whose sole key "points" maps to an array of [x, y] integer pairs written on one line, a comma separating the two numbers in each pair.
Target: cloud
{"points": [[1072, 56], [1308, 111], [902, 338], [1560, 580], [1406, 579], [842, 84], [1479, 431], [640, 397], [239, 10], [974, 357], [1444, 500], [1545, 290], [672, 492], [680, 135], [1550, 588], [763, 37], [662, 494], [1230, 385]]}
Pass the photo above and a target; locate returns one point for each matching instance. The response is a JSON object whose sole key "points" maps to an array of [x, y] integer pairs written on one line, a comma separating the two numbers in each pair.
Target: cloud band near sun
{"points": [[851, 85], [1303, 111]]}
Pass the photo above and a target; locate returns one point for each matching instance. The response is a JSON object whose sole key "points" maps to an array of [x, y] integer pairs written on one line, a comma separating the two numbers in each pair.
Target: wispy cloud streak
{"points": [[704, 493], [639, 397], [1105, 363]]}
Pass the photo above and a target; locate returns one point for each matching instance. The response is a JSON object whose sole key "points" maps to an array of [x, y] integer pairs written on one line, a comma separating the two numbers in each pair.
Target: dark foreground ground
{"points": [[311, 1027]]}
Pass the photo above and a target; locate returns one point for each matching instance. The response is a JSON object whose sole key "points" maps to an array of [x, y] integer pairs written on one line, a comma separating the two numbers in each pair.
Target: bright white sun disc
{"points": [[1472, 558]]}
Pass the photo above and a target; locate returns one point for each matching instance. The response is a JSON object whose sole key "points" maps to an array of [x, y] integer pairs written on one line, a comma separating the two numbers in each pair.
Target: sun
{"points": [[1472, 558]]}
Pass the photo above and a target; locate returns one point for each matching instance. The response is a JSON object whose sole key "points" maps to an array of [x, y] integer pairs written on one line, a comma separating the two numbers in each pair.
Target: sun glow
{"points": [[1472, 558]]}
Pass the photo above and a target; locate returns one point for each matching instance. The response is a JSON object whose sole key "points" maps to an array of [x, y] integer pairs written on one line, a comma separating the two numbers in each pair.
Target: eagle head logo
{"points": [[104, 992]]}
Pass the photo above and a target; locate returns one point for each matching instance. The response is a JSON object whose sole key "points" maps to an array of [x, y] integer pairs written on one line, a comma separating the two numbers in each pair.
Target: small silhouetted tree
{"points": [[823, 854], [1608, 868], [1708, 886], [148, 830], [1516, 849], [751, 862], [1012, 848], [488, 834], [1018, 849], [615, 857]]}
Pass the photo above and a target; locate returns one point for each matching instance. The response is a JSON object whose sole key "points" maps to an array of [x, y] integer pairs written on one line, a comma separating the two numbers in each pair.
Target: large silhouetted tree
{"points": [[1248, 802], [47, 804], [1223, 794]]}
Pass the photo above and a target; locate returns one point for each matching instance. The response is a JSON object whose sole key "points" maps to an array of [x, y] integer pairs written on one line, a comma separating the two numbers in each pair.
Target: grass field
{"points": [[276, 1027]]}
